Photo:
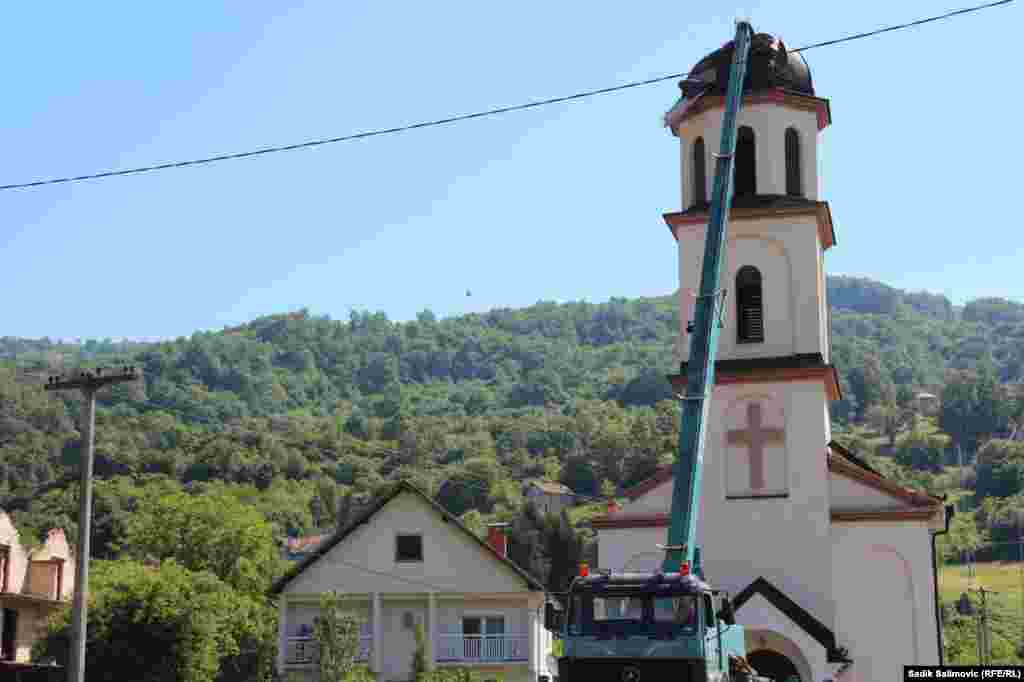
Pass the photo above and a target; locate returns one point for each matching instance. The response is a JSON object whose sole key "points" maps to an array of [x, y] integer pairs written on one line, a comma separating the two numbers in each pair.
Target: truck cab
{"points": [[637, 623]]}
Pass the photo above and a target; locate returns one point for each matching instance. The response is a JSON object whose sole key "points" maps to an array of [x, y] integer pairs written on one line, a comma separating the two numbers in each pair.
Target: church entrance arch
{"points": [[773, 665]]}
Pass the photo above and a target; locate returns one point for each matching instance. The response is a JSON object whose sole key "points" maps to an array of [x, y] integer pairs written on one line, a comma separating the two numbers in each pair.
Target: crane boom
{"points": [[670, 624], [689, 464]]}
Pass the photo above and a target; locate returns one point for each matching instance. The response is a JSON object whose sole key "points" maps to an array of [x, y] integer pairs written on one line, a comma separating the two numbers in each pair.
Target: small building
{"points": [[405, 561], [296, 549], [549, 497], [33, 585]]}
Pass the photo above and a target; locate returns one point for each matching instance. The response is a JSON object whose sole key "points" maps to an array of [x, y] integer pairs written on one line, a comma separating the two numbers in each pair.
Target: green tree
{"points": [[563, 550], [419, 656], [165, 624], [336, 632], [214, 532]]}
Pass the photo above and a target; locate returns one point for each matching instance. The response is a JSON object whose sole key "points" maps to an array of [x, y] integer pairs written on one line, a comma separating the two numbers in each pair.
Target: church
{"points": [[829, 565]]}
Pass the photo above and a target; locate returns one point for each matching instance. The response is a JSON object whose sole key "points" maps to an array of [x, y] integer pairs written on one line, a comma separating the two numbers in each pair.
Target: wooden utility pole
{"points": [[88, 382]]}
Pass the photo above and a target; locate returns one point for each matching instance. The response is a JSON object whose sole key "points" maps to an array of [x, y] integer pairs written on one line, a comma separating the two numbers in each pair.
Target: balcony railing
{"points": [[483, 648], [305, 651]]}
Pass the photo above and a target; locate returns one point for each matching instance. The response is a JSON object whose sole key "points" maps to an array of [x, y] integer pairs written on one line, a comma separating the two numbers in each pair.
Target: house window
{"points": [[749, 306], [700, 182], [59, 578], [745, 171], [483, 638], [793, 179], [409, 548], [8, 628]]}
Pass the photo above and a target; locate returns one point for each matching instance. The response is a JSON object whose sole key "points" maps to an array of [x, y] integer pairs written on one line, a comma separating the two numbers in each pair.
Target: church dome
{"points": [[770, 67]]}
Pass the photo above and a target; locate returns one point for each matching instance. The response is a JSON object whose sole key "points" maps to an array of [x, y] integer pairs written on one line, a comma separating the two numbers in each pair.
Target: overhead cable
{"points": [[463, 117]]}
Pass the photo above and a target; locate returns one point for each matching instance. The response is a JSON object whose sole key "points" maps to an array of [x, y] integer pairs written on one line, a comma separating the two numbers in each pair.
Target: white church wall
{"points": [[883, 585], [746, 542], [849, 495], [739, 538], [785, 252], [636, 547]]}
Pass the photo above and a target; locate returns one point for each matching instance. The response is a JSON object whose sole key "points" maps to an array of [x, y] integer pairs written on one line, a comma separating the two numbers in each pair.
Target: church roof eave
{"points": [[804, 619], [843, 466]]}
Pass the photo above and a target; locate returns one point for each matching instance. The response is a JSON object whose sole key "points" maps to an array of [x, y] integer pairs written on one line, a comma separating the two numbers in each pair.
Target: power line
{"points": [[897, 27], [344, 138], [463, 117]]}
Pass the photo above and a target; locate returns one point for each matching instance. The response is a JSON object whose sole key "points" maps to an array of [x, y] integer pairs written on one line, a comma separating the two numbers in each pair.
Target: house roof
{"points": [[402, 487], [840, 461], [551, 487]]}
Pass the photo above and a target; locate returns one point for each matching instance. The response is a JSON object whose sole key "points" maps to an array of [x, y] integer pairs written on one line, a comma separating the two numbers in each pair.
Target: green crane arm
{"points": [[689, 464]]}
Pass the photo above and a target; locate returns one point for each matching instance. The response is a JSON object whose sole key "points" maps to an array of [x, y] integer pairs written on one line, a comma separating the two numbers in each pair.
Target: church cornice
{"points": [[820, 106], [803, 367], [767, 207], [884, 515]]}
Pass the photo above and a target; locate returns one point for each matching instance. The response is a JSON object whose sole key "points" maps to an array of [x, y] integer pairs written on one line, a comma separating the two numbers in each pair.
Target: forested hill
{"points": [[506, 360], [295, 411]]}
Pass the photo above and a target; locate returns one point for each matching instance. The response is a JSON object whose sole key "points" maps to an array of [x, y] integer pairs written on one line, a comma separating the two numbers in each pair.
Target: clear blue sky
{"points": [[921, 165]]}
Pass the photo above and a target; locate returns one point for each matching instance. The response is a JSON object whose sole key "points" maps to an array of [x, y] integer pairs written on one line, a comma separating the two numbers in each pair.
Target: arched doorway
{"points": [[773, 665]]}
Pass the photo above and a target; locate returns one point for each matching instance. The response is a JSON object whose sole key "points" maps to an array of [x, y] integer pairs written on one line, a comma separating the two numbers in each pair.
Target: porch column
{"points": [[282, 634], [432, 631], [533, 643], [377, 645]]}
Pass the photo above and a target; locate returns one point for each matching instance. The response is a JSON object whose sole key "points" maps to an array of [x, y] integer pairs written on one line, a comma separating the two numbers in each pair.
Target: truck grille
{"points": [[641, 669]]}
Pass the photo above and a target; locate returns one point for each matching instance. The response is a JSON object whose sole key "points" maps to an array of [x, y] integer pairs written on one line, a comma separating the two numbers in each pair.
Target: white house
{"points": [[831, 567], [406, 561]]}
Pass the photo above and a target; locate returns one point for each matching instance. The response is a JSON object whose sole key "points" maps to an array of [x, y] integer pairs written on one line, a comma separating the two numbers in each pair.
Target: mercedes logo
{"points": [[630, 674]]}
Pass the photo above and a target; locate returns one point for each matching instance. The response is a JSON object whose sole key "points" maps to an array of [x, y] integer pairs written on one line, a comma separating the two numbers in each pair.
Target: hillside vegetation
{"points": [[304, 418]]}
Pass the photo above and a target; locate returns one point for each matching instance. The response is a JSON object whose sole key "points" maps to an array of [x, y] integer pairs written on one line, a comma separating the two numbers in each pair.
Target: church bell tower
{"points": [[765, 501]]}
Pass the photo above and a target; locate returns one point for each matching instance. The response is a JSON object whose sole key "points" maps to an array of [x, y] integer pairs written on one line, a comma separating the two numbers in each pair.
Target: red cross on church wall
{"points": [[755, 437]]}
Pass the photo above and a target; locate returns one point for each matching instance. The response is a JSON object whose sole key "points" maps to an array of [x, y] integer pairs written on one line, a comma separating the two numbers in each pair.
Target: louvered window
{"points": [[794, 184], [749, 306], [700, 178]]}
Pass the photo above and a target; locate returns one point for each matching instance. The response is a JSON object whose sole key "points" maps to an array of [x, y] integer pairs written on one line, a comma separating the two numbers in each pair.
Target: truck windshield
{"points": [[639, 614]]}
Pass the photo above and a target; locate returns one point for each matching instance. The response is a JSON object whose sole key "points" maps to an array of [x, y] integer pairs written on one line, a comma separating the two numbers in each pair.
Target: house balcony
{"points": [[483, 648], [304, 650]]}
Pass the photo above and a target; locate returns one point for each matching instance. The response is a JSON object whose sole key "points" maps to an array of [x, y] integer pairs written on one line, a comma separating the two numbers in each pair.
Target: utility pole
{"points": [[88, 382], [984, 636]]}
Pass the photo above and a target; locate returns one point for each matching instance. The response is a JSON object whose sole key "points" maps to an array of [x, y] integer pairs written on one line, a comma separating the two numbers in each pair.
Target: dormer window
{"points": [[745, 170], [794, 184], [700, 179], [408, 548], [749, 306]]}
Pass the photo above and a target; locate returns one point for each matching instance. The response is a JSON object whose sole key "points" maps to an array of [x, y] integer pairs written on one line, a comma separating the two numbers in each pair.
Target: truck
{"points": [[672, 624]]}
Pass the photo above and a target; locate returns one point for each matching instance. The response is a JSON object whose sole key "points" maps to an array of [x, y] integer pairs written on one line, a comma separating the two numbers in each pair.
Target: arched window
{"points": [[794, 184], [700, 179], [749, 306], [745, 171]]}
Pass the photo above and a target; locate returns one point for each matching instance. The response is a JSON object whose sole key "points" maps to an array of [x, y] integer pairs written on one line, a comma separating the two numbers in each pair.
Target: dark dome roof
{"points": [[770, 67]]}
